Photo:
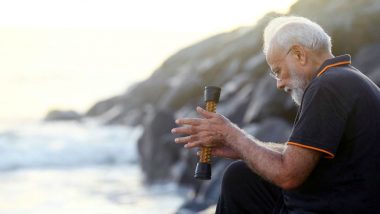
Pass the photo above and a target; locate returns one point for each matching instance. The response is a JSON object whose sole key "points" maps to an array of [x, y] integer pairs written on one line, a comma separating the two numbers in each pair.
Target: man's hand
{"points": [[211, 130], [220, 150], [288, 168]]}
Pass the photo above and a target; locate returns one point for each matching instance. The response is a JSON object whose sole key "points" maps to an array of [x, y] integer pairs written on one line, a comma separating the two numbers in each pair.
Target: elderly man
{"points": [[331, 163]]}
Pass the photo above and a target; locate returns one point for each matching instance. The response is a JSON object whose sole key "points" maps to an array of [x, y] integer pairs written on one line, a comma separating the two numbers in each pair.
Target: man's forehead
{"points": [[272, 58]]}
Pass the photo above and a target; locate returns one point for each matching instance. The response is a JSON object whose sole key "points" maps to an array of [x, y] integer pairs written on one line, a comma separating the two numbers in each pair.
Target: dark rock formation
{"points": [[156, 149], [272, 129], [249, 98], [57, 115], [367, 60], [209, 191]]}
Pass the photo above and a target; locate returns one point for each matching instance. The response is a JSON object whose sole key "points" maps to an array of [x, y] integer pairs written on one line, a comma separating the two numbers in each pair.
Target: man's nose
{"points": [[280, 84]]}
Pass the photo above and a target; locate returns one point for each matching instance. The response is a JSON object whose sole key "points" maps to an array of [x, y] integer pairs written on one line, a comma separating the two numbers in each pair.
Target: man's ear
{"points": [[299, 53]]}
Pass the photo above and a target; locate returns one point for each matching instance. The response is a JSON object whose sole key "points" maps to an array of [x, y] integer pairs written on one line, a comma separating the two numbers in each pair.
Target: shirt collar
{"points": [[336, 61]]}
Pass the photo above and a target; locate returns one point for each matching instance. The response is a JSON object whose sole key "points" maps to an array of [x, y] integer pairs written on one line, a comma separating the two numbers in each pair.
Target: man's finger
{"points": [[184, 130], [205, 114], [188, 121], [193, 144], [182, 139]]}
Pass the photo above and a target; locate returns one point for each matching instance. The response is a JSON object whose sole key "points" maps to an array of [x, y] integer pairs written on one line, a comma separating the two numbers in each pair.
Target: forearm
{"points": [[277, 147], [266, 159]]}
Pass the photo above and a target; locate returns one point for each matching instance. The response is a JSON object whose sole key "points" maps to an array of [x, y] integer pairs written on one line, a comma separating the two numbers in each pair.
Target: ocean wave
{"points": [[67, 144]]}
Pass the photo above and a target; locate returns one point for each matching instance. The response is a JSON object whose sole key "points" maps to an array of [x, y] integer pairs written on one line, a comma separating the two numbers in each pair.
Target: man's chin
{"points": [[297, 100]]}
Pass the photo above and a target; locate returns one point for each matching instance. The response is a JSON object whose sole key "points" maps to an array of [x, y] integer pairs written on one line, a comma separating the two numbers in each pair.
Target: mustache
{"points": [[287, 89]]}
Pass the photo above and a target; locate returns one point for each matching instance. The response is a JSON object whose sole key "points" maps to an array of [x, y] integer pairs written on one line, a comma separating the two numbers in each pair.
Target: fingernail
{"points": [[173, 130], [176, 140], [176, 121]]}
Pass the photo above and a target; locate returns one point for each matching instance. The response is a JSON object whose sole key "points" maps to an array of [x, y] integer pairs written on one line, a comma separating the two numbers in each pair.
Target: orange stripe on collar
{"points": [[332, 65]]}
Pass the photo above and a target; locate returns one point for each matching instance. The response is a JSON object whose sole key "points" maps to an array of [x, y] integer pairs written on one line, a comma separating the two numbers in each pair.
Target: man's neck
{"points": [[320, 59]]}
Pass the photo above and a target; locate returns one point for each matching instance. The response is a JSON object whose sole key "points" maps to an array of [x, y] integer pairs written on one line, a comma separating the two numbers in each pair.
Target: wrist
{"points": [[232, 134]]}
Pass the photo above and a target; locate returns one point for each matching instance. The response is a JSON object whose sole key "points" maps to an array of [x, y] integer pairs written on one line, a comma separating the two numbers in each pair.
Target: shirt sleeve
{"points": [[321, 121]]}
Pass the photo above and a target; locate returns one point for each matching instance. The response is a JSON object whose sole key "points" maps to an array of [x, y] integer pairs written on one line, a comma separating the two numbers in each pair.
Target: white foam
{"points": [[67, 144], [95, 190]]}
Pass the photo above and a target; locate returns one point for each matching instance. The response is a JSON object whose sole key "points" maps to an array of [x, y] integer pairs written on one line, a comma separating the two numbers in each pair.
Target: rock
{"points": [[103, 106], [210, 210], [344, 28], [366, 60], [157, 150], [375, 76], [183, 171], [237, 106], [267, 101], [271, 129], [209, 191], [57, 115], [182, 91]]}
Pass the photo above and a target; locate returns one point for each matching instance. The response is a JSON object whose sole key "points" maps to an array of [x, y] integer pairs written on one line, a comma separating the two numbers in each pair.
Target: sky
{"points": [[70, 54]]}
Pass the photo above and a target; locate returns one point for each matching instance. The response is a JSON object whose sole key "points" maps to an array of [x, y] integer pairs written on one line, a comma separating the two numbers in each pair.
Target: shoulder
{"points": [[346, 78], [332, 90], [337, 81], [336, 75]]}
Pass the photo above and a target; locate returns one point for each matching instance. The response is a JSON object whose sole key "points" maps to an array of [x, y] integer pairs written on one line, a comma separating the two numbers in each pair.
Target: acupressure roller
{"points": [[203, 169]]}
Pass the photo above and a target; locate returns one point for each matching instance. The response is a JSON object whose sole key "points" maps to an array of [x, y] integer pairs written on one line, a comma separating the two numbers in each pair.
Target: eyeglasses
{"points": [[276, 74]]}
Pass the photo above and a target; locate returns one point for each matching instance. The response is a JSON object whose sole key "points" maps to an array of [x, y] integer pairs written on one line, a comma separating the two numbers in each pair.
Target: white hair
{"points": [[287, 31]]}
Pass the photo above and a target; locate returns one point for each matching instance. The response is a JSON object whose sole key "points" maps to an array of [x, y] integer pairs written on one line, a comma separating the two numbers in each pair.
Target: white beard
{"points": [[297, 95], [298, 87]]}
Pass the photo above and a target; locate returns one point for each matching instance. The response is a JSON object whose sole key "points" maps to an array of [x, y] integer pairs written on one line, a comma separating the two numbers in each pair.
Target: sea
{"points": [[77, 167]]}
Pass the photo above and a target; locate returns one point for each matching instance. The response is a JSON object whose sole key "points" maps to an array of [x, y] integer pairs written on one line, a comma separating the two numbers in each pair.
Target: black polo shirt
{"points": [[340, 117]]}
